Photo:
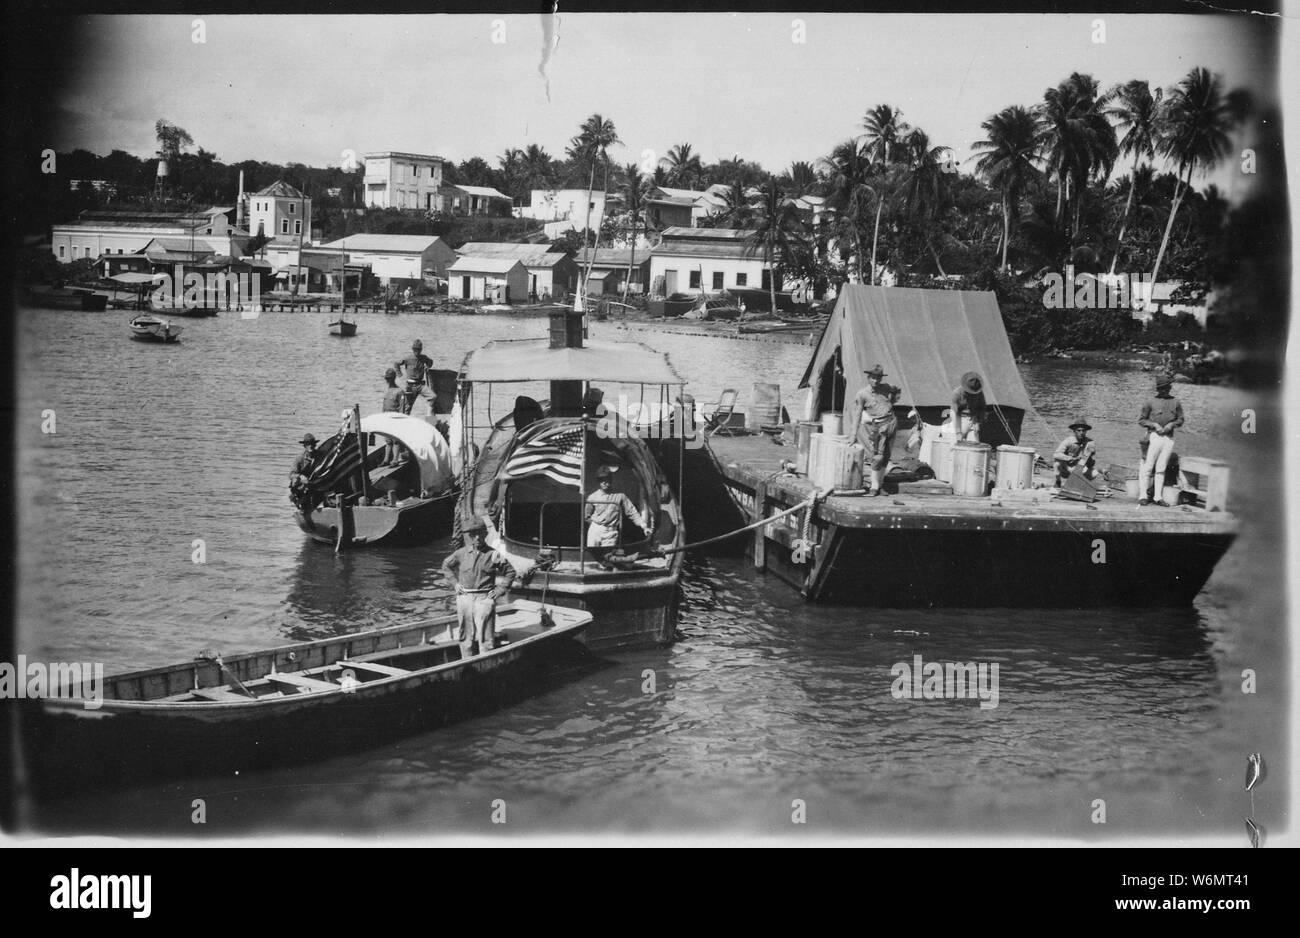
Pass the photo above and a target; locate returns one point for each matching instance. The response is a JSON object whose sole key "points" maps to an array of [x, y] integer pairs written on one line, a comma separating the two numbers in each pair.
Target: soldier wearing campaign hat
{"points": [[414, 369], [1160, 415], [302, 467], [1077, 453], [875, 425], [474, 569]]}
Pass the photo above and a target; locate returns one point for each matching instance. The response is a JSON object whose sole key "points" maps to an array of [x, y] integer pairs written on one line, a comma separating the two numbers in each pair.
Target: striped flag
{"points": [[340, 462], [555, 452]]}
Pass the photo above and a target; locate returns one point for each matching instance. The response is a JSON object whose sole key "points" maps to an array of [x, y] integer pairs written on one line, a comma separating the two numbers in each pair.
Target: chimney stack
{"points": [[239, 203]]}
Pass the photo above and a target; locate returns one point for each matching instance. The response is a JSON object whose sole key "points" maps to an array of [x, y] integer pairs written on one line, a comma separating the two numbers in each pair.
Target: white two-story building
{"points": [[403, 180]]}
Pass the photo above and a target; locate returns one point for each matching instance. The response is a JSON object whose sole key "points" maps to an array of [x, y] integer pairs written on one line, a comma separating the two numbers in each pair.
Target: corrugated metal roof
{"points": [[706, 249], [485, 265], [502, 249], [711, 234], [534, 360], [614, 257], [385, 244]]}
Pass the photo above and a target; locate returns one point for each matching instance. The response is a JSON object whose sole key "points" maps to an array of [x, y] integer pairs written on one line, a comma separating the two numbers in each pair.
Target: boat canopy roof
{"points": [[925, 340], [514, 360], [426, 444], [135, 279]]}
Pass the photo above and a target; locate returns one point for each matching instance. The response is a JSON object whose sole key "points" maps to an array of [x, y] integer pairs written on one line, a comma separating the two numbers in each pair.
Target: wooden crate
{"points": [[1205, 481]]}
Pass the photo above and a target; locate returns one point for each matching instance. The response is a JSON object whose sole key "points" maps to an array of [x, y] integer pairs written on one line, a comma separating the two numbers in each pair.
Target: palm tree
{"points": [[171, 140], [802, 176], [1194, 134], [512, 167], [736, 211], [590, 146], [1138, 110], [846, 169], [636, 188], [684, 166], [1013, 144], [1081, 140], [777, 232], [536, 167], [886, 133], [925, 187]]}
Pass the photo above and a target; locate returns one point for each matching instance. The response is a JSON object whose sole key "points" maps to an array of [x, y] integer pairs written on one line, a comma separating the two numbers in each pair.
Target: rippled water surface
{"points": [[763, 701]]}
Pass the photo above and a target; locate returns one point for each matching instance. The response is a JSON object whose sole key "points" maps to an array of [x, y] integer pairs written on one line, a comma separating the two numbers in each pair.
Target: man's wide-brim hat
{"points": [[971, 383], [308, 438], [417, 344], [473, 525], [1164, 381], [390, 372], [1081, 424], [604, 472], [875, 371]]}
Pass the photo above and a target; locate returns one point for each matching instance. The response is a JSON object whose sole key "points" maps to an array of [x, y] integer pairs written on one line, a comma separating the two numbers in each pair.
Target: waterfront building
{"points": [[96, 233], [402, 180], [281, 212], [396, 257], [494, 279], [609, 270], [551, 271], [706, 260]]}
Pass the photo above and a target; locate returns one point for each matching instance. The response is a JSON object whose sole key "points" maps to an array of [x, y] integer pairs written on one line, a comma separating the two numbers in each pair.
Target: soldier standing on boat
{"points": [[606, 510], [1161, 415], [474, 569], [394, 402], [968, 407], [873, 419], [414, 369], [301, 470]]}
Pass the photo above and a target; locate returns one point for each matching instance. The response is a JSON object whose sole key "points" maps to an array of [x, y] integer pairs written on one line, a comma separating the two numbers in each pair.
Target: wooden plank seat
{"points": [[300, 681], [374, 667], [399, 652], [217, 695], [1206, 480]]}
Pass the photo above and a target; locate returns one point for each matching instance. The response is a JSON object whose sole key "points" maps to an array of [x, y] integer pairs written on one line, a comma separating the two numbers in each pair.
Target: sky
{"points": [[307, 88]]}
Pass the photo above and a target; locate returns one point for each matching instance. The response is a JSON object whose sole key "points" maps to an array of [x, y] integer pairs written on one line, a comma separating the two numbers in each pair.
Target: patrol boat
{"points": [[531, 481]]}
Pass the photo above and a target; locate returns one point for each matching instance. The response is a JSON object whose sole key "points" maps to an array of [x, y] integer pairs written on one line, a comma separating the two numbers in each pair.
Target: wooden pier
{"points": [[913, 549]]}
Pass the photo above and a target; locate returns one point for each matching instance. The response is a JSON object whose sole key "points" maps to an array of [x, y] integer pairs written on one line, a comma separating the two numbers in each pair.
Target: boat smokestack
{"points": [[567, 327]]}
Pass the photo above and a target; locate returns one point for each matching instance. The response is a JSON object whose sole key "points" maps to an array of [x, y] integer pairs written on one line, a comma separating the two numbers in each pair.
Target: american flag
{"points": [[340, 459], [553, 451]]}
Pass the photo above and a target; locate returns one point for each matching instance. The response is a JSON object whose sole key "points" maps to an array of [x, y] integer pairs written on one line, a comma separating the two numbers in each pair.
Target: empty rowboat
{"points": [[147, 328]]}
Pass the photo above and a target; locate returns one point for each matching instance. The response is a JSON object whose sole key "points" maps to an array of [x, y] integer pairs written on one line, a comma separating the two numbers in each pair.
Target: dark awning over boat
{"points": [[534, 360]]}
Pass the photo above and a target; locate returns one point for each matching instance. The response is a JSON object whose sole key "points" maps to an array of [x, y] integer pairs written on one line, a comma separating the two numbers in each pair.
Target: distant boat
{"points": [[291, 703], [148, 328], [343, 327], [66, 298], [408, 503]]}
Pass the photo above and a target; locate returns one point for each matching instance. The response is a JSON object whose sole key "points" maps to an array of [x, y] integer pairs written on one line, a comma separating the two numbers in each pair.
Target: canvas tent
{"points": [[925, 340]]}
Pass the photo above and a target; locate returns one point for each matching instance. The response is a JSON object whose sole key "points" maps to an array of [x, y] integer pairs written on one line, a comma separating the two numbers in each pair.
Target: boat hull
{"points": [[69, 749], [152, 335], [426, 520], [1024, 569], [343, 329], [625, 616]]}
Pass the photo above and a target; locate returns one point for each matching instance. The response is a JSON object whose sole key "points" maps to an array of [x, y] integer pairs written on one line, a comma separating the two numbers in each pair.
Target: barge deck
{"points": [[920, 549]]}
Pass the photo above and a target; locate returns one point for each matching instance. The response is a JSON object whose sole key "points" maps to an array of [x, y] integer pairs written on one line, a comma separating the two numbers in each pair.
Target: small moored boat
{"points": [[343, 327], [290, 703], [147, 328], [66, 298], [405, 494]]}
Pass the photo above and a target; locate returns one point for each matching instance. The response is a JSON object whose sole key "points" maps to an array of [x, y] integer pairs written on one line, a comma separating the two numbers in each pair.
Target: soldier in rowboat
{"points": [[474, 569]]}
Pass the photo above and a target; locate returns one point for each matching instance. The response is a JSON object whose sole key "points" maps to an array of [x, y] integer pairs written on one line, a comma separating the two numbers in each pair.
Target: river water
{"points": [[765, 711]]}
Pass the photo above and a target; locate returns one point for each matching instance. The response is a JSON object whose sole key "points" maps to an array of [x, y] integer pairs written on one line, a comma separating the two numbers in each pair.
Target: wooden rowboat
{"points": [[292, 703], [343, 327], [146, 328]]}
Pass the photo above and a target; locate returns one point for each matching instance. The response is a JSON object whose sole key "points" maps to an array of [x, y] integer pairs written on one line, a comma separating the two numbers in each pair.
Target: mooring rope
{"points": [[809, 503]]}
